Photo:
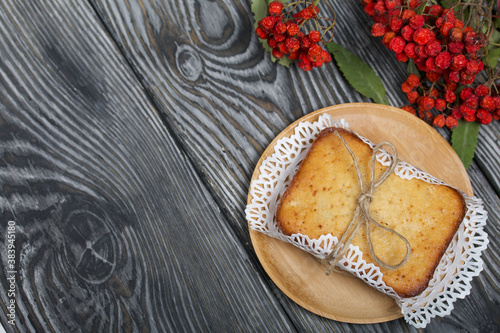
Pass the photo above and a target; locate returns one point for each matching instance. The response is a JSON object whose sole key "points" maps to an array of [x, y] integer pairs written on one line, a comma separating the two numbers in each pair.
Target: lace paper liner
{"points": [[461, 262]]}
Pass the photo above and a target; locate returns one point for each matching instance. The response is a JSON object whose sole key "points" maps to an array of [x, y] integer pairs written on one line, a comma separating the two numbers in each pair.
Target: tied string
{"points": [[362, 212]]}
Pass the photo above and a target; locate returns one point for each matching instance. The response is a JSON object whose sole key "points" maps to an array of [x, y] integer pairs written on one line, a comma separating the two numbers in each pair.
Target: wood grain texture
{"points": [[225, 101], [115, 230]]}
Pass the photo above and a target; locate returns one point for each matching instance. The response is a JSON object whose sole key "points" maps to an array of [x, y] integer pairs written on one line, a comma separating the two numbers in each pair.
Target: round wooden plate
{"points": [[299, 275]]}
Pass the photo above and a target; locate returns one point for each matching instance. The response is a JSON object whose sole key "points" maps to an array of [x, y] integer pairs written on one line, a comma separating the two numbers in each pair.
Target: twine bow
{"points": [[362, 212]]}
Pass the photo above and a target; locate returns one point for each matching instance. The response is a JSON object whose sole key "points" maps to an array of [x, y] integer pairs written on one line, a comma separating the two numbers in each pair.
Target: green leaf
{"points": [[497, 23], [361, 76], [492, 58], [464, 140], [412, 68], [259, 10]]}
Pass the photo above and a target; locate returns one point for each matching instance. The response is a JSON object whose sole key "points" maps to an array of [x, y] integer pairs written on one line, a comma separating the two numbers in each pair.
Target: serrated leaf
{"points": [[361, 76], [259, 10], [464, 140]]}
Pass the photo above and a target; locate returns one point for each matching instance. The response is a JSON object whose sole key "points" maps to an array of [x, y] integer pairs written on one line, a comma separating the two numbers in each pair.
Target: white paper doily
{"points": [[461, 262]]}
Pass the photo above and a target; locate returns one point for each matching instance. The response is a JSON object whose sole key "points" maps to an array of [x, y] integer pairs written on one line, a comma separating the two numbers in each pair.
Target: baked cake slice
{"points": [[322, 196]]}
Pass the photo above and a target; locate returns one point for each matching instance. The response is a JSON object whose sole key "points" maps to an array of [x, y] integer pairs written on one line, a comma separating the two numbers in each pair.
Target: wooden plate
{"points": [[299, 275]]}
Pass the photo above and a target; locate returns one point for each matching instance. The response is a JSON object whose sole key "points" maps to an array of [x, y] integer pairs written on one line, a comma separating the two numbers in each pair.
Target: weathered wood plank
{"points": [[114, 229], [225, 101]]}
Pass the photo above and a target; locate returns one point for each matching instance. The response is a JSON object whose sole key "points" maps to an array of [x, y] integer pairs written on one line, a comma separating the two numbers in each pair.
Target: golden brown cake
{"points": [[322, 196]]}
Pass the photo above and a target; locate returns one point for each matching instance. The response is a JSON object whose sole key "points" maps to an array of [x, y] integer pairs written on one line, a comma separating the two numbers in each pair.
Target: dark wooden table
{"points": [[129, 131]]}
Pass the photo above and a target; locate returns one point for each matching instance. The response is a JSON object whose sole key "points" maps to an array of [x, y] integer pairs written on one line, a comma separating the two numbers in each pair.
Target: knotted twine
{"points": [[362, 211]]}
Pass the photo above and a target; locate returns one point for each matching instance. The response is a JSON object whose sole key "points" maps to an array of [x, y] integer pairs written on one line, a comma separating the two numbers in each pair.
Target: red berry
{"points": [[279, 37], [445, 28], [267, 23], [279, 28], [405, 87], [425, 103], [420, 51], [423, 35], [413, 80], [277, 53], [470, 117], [420, 62], [409, 108], [449, 96], [472, 102], [488, 103], [306, 13], [326, 56], [455, 47], [440, 104], [472, 67], [456, 34], [261, 33], [455, 113], [439, 120], [313, 9], [435, 11], [314, 36], [451, 86], [465, 93], [487, 119], [275, 8], [481, 90], [402, 57], [388, 36], [304, 63], [466, 78], [430, 64], [305, 43], [458, 62], [397, 44], [459, 23], [409, 50], [414, 3], [443, 60], [317, 63], [314, 52], [467, 111], [292, 28], [413, 96], [433, 76], [395, 23], [378, 29], [452, 76], [272, 42], [472, 48], [407, 33], [449, 15], [433, 48], [497, 102], [451, 122], [282, 47], [390, 4], [294, 55], [417, 21], [292, 44], [470, 37], [407, 14], [434, 93]]}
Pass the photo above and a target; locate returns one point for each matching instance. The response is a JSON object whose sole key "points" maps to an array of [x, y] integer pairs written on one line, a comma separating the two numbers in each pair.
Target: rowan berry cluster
{"points": [[283, 32], [447, 54]]}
